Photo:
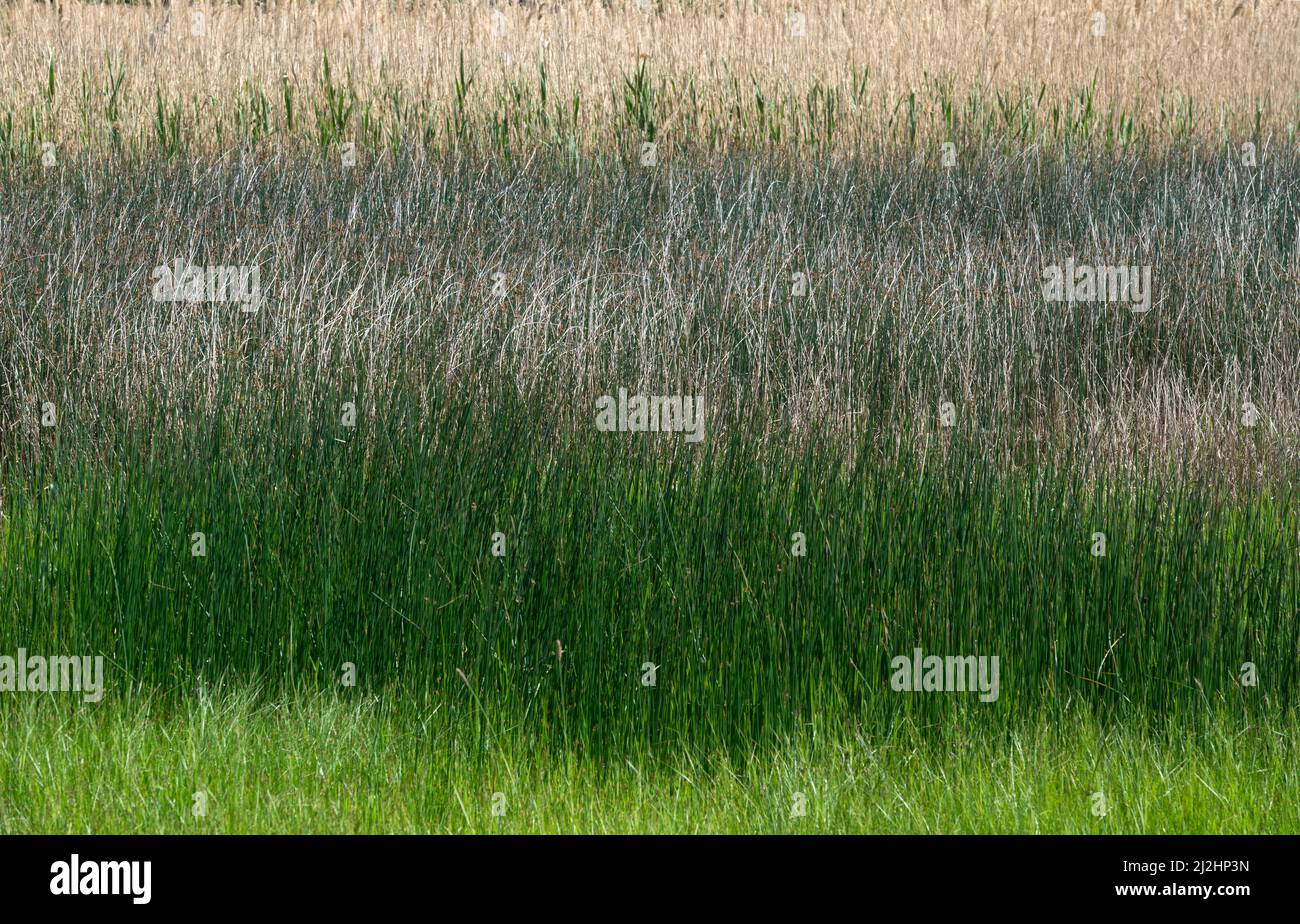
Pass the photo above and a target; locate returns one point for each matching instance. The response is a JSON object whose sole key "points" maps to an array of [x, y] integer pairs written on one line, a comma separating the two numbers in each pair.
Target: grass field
{"points": [[347, 529], [317, 764]]}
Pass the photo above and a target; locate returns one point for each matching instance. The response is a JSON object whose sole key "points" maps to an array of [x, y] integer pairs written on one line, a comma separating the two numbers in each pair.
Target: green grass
{"points": [[324, 764], [373, 546], [367, 550]]}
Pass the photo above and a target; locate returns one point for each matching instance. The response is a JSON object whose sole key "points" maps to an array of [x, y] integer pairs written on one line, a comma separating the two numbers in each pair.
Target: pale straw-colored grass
{"points": [[1213, 69]]}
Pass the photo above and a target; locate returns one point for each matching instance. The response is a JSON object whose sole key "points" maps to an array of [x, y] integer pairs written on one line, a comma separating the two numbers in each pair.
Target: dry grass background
{"points": [[922, 288], [1233, 63], [924, 282]]}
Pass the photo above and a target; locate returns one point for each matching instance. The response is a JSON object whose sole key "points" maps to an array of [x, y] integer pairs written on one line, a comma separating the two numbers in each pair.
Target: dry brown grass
{"points": [[925, 286], [1226, 58], [921, 291]]}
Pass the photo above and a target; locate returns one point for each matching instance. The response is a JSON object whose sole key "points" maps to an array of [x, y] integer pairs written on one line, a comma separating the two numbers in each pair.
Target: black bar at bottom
{"points": [[636, 874]]}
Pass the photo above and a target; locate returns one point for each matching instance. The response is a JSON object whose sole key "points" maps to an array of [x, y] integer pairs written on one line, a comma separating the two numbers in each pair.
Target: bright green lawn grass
{"points": [[322, 764], [1120, 674]]}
